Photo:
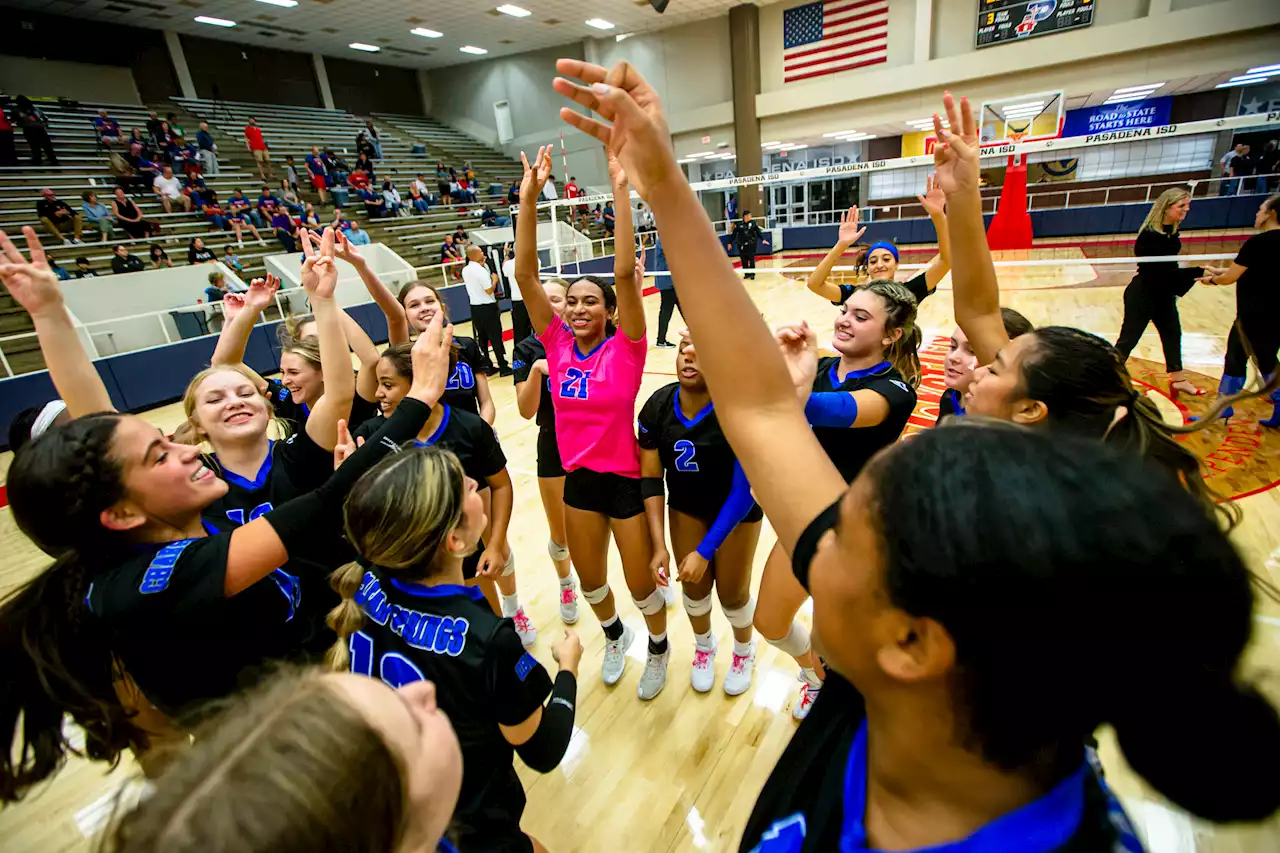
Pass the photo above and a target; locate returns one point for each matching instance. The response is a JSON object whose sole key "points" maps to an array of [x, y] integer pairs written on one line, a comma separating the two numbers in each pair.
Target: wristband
{"points": [[651, 487]]}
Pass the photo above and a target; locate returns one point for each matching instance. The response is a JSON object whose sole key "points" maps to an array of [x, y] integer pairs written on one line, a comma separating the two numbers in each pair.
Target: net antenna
{"points": [[1022, 118]]}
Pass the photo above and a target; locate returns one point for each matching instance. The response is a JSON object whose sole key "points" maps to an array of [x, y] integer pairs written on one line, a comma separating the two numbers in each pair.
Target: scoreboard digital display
{"points": [[1001, 21]]}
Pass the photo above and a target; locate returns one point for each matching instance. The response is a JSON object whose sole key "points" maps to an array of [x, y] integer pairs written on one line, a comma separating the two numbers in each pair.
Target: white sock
{"points": [[657, 639], [811, 676], [703, 641], [742, 649], [510, 604], [609, 622], [567, 583]]}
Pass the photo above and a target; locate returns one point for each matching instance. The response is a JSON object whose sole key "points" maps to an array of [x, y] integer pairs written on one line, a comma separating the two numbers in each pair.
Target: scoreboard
{"points": [[1001, 21]]}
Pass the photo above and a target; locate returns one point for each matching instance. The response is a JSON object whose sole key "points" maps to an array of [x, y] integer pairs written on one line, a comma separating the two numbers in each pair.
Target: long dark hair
{"points": [[55, 659], [610, 300], [1080, 586]]}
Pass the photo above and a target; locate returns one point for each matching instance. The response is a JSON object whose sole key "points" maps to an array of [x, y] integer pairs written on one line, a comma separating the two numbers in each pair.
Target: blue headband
{"points": [[888, 247]]}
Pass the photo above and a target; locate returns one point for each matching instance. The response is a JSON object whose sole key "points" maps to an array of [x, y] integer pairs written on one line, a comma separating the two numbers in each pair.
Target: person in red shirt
{"points": [[258, 148], [571, 190]]}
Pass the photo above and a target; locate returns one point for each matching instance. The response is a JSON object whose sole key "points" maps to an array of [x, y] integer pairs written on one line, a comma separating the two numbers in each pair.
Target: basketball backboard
{"points": [[1023, 118]]}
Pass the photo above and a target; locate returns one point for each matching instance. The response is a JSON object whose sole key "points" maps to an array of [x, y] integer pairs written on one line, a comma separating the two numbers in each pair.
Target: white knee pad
{"points": [[596, 596], [796, 643], [509, 568], [742, 617], [652, 604], [557, 552], [697, 606]]}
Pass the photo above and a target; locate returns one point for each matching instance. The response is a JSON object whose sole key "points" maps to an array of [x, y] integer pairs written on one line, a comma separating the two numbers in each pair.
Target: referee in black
{"points": [[746, 234], [486, 316]]}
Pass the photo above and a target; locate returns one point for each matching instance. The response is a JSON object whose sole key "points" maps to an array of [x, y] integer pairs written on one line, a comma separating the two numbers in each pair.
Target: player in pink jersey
{"points": [[595, 377]]}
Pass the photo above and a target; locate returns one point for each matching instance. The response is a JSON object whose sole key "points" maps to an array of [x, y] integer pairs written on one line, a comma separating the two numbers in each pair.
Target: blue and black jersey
{"points": [[460, 390], [850, 448], [951, 403], [295, 414], [917, 284]]}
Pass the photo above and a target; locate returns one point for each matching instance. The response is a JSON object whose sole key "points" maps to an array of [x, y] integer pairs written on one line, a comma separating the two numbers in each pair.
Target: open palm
{"points": [[31, 283], [956, 153], [850, 232]]}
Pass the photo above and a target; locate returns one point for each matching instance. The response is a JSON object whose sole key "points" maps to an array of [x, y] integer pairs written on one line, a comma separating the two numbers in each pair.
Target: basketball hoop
{"points": [[1016, 136]]}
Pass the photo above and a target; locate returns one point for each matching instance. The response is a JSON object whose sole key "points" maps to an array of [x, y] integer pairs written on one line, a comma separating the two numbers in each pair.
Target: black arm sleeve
{"points": [[296, 521], [543, 751]]}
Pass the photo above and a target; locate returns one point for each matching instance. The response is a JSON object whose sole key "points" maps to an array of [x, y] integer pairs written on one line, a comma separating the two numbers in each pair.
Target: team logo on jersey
{"points": [[518, 364], [156, 578], [525, 665], [901, 385], [445, 635], [783, 836]]}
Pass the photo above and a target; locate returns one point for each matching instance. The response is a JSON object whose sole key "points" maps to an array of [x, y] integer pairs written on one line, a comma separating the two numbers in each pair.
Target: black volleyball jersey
{"points": [[522, 358], [460, 391], [695, 455], [850, 448], [917, 284], [951, 403], [469, 437], [815, 798], [483, 676], [179, 635], [296, 414]]}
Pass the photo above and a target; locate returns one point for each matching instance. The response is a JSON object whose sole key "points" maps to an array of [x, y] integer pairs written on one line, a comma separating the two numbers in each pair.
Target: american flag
{"points": [[832, 36]]}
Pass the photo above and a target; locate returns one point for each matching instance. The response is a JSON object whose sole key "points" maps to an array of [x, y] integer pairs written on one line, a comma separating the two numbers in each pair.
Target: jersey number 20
{"points": [[575, 383]]}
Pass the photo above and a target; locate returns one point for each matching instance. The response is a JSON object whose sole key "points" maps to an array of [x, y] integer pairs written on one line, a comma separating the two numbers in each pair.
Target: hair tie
{"points": [[48, 414]]}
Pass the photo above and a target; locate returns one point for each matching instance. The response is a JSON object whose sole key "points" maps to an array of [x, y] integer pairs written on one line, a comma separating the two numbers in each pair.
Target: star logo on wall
{"points": [[1253, 107]]}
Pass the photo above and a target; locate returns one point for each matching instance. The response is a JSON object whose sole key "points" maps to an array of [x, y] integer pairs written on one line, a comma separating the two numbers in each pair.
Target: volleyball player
{"points": [[468, 386], [411, 617], [945, 731], [143, 591], [960, 363], [307, 761], [475, 444], [715, 523], [1254, 272], [882, 257], [1152, 295], [533, 399], [595, 372]]}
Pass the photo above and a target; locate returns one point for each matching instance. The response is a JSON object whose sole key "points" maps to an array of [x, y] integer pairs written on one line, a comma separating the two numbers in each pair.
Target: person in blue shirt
{"points": [[207, 150], [357, 236], [318, 172]]}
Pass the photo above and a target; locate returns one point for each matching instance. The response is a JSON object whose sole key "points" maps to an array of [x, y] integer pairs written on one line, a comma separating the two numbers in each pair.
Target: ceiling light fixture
{"points": [[599, 24], [1264, 69], [1149, 87], [514, 11], [367, 48], [1243, 81], [426, 33], [623, 36], [288, 4], [797, 147], [769, 144], [1124, 99], [838, 133], [473, 50], [214, 22]]}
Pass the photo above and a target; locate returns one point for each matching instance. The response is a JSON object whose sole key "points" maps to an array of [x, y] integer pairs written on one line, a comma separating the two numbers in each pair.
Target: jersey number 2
{"points": [[395, 669], [684, 461], [575, 383]]}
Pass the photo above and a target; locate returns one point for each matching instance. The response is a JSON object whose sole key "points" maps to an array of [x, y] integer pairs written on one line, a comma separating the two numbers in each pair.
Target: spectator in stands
{"points": [[8, 154], [57, 269], [289, 198], [96, 214], [338, 168], [137, 141], [240, 206], [217, 288], [420, 183], [445, 187], [199, 253], [169, 189], [363, 162], [450, 253], [549, 191], [291, 171], [159, 257], [35, 129], [185, 156], [441, 171], [571, 188], [468, 190], [371, 139], [461, 238], [208, 150], [258, 148], [606, 217], [374, 204], [214, 213], [486, 317], [311, 219], [58, 218], [455, 191], [83, 270], [1229, 187], [107, 129], [391, 201], [487, 217], [285, 230], [130, 216], [199, 191], [513, 193], [164, 137], [125, 262], [1241, 168], [644, 219], [318, 172], [468, 172], [340, 220], [359, 180], [174, 127], [267, 203], [154, 126], [230, 259], [357, 236], [418, 198], [1269, 165]]}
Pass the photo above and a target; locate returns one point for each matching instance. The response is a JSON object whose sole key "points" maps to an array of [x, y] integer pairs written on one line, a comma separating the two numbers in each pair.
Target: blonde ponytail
{"points": [[346, 618]]}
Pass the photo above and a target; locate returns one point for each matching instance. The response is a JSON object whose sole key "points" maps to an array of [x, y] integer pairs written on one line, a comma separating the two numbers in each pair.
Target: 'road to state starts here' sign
{"points": [[1001, 21]]}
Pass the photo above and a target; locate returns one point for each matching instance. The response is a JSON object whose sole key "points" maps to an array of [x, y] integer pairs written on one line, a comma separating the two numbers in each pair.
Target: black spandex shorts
{"points": [[753, 515], [608, 494], [549, 454]]}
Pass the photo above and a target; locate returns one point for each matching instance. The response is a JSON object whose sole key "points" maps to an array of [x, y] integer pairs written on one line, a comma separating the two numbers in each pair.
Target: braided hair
{"points": [[55, 658]]}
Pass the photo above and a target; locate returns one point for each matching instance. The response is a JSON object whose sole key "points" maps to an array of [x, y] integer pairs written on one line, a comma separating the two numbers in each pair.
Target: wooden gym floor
{"points": [[681, 773]]}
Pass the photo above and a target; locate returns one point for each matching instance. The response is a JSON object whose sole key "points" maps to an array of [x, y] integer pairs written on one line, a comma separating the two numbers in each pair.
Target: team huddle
{"points": [[325, 557]]}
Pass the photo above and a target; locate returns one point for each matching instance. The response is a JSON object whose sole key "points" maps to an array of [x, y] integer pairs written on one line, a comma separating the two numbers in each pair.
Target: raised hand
{"points": [[431, 355], [319, 272], [32, 284], [956, 153], [232, 305], [535, 176], [934, 199], [345, 446], [261, 293], [342, 248], [638, 135], [639, 273], [799, 345], [617, 174], [850, 232]]}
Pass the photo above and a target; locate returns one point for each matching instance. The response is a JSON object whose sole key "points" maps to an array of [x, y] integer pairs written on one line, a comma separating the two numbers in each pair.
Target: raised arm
{"points": [[35, 287], [759, 416], [934, 201], [526, 250], [397, 323], [628, 276], [973, 276], [319, 278], [849, 234], [366, 353], [234, 338]]}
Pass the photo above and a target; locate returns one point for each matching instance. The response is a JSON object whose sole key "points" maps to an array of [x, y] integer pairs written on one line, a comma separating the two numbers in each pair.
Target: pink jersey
{"points": [[595, 400]]}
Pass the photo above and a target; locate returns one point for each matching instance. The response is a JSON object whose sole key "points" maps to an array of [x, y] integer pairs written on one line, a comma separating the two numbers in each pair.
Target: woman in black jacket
{"points": [[1152, 295]]}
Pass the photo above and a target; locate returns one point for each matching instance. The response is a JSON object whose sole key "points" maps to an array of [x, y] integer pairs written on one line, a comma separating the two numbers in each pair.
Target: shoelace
{"points": [[568, 595], [739, 663], [701, 658], [521, 620]]}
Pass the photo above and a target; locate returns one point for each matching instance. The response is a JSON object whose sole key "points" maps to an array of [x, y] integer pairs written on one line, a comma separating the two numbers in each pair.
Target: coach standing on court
{"points": [[486, 317]]}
